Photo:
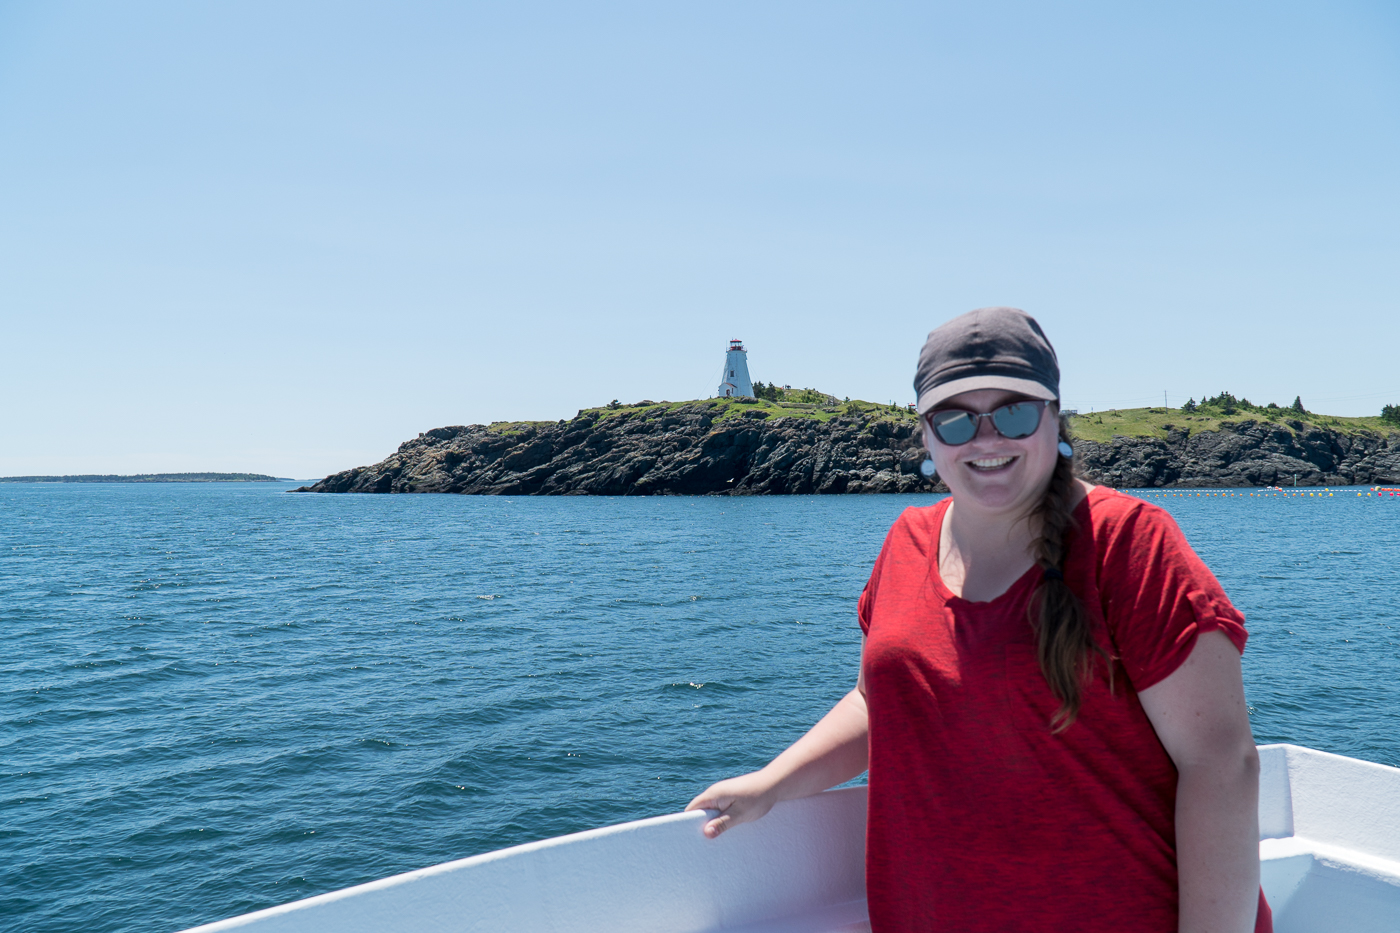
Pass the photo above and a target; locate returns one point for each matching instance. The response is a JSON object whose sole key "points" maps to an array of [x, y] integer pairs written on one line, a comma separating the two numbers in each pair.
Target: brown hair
{"points": [[1066, 646]]}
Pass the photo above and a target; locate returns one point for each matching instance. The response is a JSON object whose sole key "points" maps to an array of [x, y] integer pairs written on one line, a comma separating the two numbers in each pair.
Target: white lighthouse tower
{"points": [[735, 380]]}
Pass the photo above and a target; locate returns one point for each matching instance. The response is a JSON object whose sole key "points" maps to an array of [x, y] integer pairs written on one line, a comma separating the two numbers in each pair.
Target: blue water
{"points": [[215, 698]]}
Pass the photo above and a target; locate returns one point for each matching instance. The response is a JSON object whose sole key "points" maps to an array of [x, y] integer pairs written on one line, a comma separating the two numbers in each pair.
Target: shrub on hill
{"points": [[770, 392], [1390, 414], [776, 393], [1227, 404]]}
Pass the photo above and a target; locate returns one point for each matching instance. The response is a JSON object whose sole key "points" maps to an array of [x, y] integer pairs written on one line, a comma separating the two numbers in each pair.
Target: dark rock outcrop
{"points": [[686, 450], [654, 451], [1247, 453]]}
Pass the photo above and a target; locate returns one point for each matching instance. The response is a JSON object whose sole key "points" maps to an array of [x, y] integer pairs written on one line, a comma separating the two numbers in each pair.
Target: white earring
{"points": [[928, 468], [1066, 451]]}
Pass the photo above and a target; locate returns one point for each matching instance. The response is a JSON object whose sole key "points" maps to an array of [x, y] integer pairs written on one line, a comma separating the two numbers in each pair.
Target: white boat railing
{"points": [[1330, 844], [1329, 831]]}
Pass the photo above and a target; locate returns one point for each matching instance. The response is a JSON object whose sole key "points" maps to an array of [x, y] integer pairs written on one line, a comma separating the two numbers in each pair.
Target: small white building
{"points": [[735, 381]]}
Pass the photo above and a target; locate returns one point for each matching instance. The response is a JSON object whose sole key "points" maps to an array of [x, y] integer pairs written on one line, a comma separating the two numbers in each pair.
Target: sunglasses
{"points": [[1014, 420]]}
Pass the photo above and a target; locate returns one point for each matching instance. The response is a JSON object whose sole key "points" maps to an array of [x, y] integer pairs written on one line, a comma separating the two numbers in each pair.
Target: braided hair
{"points": [[1065, 644]]}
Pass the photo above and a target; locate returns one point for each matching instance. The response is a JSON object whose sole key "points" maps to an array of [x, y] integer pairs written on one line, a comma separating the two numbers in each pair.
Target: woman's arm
{"points": [[1200, 715], [832, 752]]}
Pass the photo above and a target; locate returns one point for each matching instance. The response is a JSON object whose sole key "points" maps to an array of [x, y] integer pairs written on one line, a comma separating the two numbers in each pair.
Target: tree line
{"points": [[1226, 403]]}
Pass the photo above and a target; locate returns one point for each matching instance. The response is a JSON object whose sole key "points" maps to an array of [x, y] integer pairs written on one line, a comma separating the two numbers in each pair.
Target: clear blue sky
{"points": [[284, 237]]}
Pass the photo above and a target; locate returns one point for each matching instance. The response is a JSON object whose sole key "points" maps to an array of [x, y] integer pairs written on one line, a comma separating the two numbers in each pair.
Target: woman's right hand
{"points": [[832, 752], [738, 800]]}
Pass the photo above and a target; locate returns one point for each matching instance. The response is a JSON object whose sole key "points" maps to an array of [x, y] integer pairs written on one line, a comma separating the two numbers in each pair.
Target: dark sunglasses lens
{"points": [[1019, 419], [954, 427]]}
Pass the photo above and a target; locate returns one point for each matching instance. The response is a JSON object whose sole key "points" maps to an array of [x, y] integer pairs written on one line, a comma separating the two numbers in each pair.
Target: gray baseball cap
{"points": [[990, 348]]}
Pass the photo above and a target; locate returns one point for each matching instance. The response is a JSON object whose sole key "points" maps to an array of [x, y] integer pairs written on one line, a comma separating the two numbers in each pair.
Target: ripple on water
{"points": [[218, 698]]}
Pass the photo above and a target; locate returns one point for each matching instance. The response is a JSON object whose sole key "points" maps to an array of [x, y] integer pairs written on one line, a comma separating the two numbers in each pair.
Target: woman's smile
{"points": [[991, 464]]}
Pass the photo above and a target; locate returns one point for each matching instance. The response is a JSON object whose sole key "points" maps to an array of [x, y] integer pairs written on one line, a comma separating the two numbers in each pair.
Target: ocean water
{"points": [[216, 698]]}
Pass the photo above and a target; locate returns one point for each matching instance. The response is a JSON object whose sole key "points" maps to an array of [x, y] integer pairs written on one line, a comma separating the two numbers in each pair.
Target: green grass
{"points": [[1094, 426], [1155, 422], [513, 428], [732, 409], [727, 409]]}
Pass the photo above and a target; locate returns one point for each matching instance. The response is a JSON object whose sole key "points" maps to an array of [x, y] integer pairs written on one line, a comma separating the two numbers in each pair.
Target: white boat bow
{"points": [[1330, 845]]}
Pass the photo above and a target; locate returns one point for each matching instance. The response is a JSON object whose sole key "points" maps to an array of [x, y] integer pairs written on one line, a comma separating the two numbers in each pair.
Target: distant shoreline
{"points": [[152, 478]]}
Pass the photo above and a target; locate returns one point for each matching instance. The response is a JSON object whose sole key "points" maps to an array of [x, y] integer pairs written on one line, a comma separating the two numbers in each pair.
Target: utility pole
{"points": [[1164, 401]]}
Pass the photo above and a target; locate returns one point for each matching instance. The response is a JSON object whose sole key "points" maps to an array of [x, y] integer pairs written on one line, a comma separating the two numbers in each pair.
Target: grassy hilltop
{"points": [[1102, 426], [1222, 411], [809, 404]]}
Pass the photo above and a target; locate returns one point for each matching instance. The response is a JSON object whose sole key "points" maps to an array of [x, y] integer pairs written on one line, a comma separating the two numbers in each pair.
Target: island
{"points": [[804, 441], [150, 478]]}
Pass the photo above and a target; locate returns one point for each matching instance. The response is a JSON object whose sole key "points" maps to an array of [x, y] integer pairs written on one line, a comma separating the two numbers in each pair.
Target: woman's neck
{"points": [[980, 555], [978, 532]]}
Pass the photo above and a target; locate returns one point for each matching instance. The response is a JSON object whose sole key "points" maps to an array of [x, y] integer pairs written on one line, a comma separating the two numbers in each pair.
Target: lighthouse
{"points": [[735, 380]]}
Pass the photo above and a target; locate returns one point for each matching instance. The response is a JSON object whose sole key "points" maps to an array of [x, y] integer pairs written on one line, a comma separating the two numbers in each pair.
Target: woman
{"points": [[1049, 702]]}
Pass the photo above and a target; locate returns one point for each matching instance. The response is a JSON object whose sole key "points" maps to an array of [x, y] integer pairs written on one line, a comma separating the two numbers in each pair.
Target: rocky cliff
{"points": [[1245, 453], [696, 448], [731, 448]]}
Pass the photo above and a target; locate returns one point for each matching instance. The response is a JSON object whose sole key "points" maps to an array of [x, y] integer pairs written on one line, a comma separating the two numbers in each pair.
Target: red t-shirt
{"points": [[980, 818]]}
